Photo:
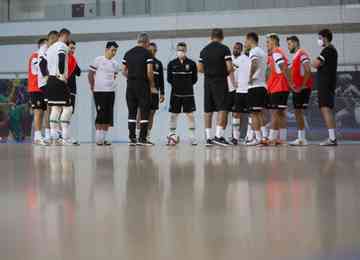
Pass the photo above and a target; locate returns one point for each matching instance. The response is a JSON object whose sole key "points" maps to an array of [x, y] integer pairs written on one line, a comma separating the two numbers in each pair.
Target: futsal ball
{"points": [[173, 139]]}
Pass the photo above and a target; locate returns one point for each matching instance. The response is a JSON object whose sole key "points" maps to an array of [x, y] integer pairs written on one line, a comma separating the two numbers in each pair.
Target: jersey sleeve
{"points": [[324, 56], [149, 59], [304, 58], [253, 55], [278, 58], [227, 55], [95, 65], [201, 58]]}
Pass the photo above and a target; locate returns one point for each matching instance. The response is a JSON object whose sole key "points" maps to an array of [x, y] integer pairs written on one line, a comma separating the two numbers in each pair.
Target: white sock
{"points": [[104, 134], [54, 134], [219, 132], [283, 134], [37, 135], [98, 136], [273, 134], [301, 134], [258, 135], [65, 131], [47, 133], [264, 131], [236, 128], [192, 133], [332, 135], [208, 133], [148, 133]]}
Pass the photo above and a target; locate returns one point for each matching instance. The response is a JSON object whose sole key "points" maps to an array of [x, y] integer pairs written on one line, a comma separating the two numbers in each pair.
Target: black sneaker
{"points": [[107, 143], [132, 142], [209, 142], [234, 142], [144, 142], [221, 141]]}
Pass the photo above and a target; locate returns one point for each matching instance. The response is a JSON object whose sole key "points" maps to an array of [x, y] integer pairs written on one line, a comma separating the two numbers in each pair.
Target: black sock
{"points": [[143, 130], [132, 130]]}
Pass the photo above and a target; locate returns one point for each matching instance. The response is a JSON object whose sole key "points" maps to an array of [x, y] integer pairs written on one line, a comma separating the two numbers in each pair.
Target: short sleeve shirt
{"points": [[136, 61], [326, 74], [106, 72], [259, 78]]}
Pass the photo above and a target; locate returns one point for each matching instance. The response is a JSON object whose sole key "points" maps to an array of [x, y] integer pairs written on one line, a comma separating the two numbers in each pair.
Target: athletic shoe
{"points": [[221, 141], [264, 141], [271, 143], [299, 142], [234, 141], [253, 142], [144, 142], [57, 142], [281, 143], [329, 142], [248, 140], [41, 142], [100, 143], [132, 142], [193, 142], [66, 142], [74, 142], [209, 142], [107, 143]]}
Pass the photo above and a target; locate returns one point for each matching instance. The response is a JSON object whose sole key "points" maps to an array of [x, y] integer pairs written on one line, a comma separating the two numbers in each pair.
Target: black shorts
{"points": [[301, 100], [138, 96], [257, 99], [241, 103], [104, 105], [37, 101], [154, 102], [216, 95], [279, 100], [326, 96], [73, 101], [230, 100], [181, 104], [58, 92]]}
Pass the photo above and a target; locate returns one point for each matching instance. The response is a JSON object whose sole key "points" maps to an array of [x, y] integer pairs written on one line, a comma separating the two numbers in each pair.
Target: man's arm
{"points": [[229, 67], [61, 65], [77, 71], [194, 74], [91, 79], [253, 68], [43, 67], [161, 80], [307, 74], [150, 76], [287, 73], [200, 67]]}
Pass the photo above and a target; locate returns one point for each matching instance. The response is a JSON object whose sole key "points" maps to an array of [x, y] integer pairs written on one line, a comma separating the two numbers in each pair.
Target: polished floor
{"points": [[183, 203]]}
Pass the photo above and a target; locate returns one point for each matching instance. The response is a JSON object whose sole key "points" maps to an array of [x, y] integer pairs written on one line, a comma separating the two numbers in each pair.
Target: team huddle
{"points": [[247, 82]]}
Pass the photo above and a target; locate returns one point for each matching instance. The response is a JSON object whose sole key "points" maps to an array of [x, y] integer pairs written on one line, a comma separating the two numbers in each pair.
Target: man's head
{"points": [[251, 40], [72, 46], [272, 41], [217, 34], [143, 40], [153, 48], [293, 43], [237, 49], [64, 35], [325, 37], [181, 50], [53, 37], [42, 42], [111, 49]]}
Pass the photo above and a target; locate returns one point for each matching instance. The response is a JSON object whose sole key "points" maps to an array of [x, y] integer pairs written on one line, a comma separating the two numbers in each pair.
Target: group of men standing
{"points": [[247, 81]]}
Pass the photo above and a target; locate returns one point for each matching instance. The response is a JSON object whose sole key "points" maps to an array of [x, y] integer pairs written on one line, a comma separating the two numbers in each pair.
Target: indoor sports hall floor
{"points": [[183, 203]]}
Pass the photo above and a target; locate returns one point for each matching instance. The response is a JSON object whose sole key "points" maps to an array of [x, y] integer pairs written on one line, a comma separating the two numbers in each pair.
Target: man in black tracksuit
{"points": [[182, 76]]}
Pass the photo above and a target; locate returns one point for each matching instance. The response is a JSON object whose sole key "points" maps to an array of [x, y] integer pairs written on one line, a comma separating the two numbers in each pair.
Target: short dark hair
{"points": [[41, 41], [240, 44], [326, 33], [53, 33], [253, 36], [217, 33], [112, 44], [64, 31], [275, 37], [181, 44], [293, 39], [72, 42], [153, 44]]}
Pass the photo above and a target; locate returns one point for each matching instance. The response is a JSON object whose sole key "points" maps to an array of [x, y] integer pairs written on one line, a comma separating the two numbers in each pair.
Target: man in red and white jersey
{"points": [[279, 83], [303, 82], [38, 103]]}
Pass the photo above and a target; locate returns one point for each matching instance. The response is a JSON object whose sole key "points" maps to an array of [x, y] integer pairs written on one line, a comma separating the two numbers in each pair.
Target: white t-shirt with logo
{"points": [[242, 73], [53, 58], [106, 72], [259, 78]]}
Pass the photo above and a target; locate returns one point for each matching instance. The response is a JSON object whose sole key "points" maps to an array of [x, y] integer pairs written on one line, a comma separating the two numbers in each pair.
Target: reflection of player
{"points": [[351, 97]]}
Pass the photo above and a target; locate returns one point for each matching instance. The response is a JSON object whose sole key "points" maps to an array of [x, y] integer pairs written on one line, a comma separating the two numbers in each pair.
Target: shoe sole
{"points": [[221, 144]]}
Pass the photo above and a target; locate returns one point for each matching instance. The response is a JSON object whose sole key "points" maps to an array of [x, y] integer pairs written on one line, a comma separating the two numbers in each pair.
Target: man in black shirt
{"points": [[182, 76], [138, 66], [216, 64], [326, 65], [159, 85]]}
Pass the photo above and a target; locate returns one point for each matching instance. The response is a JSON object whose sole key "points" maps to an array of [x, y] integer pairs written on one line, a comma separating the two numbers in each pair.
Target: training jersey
{"points": [[53, 58], [300, 58], [136, 61], [33, 73], [277, 81], [106, 72], [182, 77], [326, 73], [42, 55], [214, 57], [259, 78], [242, 73]]}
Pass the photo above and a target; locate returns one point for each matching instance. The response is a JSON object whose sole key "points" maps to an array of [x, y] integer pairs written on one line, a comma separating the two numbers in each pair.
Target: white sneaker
{"points": [[299, 142], [253, 142], [193, 142], [66, 142], [41, 142], [329, 142], [56, 142], [74, 142]]}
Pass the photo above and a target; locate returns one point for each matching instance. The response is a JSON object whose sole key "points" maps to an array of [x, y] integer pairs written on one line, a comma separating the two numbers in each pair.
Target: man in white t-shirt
{"points": [[257, 93], [102, 76], [241, 63]]}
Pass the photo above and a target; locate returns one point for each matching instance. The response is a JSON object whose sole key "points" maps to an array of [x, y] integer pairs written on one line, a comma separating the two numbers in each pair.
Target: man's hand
{"points": [[62, 77], [46, 78], [162, 99], [154, 90]]}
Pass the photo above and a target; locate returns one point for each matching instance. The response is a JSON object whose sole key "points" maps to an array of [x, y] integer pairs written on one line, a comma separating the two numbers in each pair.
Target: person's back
{"points": [[214, 57], [136, 61], [326, 74]]}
